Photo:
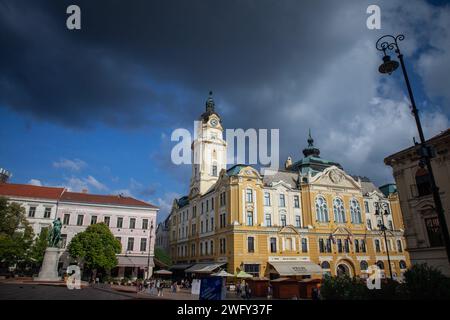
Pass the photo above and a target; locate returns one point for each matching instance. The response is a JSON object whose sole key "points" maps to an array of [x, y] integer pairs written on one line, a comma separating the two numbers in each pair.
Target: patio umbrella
{"points": [[222, 274], [163, 272], [243, 274]]}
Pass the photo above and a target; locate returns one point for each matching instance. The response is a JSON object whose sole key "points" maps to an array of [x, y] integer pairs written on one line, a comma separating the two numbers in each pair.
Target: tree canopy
{"points": [[16, 234], [96, 247]]}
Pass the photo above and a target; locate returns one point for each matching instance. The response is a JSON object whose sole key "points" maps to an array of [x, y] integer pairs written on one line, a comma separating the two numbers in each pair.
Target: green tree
{"points": [[425, 282], [96, 248], [16, 234], [343, 288], [39, 246]]}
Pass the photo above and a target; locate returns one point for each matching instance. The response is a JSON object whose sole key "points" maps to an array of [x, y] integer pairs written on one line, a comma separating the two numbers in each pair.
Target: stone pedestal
{"points": [[49, 268]]}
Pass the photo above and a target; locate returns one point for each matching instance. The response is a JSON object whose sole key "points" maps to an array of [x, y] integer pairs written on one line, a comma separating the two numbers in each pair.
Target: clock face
{"points": [[214, 122]]}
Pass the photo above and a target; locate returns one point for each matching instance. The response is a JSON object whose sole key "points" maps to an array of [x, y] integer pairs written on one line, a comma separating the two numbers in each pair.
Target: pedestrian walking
{"points": [[269, 292], [159, 288]]}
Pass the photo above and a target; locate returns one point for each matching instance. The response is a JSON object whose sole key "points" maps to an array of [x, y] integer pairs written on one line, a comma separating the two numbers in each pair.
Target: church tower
{"points": [[209, 151]]}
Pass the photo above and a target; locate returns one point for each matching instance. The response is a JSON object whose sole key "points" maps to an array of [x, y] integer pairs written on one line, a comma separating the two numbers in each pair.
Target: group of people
{"points": [[243, 290]]}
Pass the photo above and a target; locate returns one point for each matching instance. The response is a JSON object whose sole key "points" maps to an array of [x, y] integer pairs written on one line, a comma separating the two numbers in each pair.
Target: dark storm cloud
{"points": [[285, 64], [127, 53]]}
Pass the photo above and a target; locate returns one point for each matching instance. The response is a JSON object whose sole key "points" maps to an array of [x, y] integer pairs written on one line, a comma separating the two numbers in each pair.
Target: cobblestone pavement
{"points": [[27, 291], [10, 291]]}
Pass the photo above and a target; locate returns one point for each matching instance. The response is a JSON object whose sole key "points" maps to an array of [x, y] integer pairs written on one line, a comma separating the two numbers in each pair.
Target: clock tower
{"points": [[209, 151]]}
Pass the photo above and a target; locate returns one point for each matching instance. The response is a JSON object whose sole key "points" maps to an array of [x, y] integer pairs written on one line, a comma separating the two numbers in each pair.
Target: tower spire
{"points": [[210, 103], [311, 150]]}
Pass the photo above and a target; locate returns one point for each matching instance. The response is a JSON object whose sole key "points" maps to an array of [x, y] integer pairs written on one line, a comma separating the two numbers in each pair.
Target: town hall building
{"points": [[309, 219]]}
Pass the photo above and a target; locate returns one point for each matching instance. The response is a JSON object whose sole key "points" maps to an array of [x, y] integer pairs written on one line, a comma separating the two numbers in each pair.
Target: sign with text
{"points": [[211, 289]]}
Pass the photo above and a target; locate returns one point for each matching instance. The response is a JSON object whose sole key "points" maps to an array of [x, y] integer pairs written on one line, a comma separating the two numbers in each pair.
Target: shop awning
{"points": [[296, 268], [130, 261], [204, 267], [180, 266]]}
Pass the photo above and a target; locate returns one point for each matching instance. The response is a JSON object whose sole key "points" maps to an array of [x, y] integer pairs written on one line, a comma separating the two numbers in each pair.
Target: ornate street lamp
{"points": [[390, 43], [379, 212]]}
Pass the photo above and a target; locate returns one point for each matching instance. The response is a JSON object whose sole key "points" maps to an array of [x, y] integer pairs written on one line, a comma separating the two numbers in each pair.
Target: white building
{"points": [[130, 220]]}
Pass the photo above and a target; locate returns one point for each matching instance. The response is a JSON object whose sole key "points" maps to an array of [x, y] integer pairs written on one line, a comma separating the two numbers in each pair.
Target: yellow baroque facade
{"points": [[306, 220]]}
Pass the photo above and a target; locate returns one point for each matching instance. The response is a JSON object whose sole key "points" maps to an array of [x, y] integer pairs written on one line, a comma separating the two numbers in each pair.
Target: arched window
{"points": [[325, 265], [363, 265], [339, 211], [355, 211], [402, 264], [380, 264], [321, 209]]}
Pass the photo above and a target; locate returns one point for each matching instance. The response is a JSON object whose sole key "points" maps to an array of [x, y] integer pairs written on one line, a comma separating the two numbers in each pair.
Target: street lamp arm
{"points": [[388, 42]]}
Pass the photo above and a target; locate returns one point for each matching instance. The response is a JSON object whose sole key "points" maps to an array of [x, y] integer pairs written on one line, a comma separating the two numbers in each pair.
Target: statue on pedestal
{"points": [[55, 234], [49, 268]]}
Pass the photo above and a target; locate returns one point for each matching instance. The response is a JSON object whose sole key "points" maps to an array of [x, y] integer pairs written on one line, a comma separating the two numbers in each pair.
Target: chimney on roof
{"points": [[4, 175], [85, 190]]}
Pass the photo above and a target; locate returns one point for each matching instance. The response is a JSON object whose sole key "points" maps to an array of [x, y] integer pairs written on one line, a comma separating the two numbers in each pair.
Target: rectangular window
{"points": [[369, 224], [214, 171], [143, 244], [282, 201], [249, 194], [251, 244], [212, 223], [283, 220], [222, 220], [252, 269], [356, 245], [119, 222], [207, 205], [193, 250], [250, 218], [296, 202], [145, 224], [201, 227], [203, 207], [80, 219], [93, 219], [273, 245], [194, 212], [47, 212], [399, 246], [66, 219], [268, 220], [206, 225], [304, 245], [107, 220], [130, 246], [347, 245], [212, 203], [32, 212], [298, 222], [339, 245], [366, 206], [391, 226], [363, 246], [377, 245], [321, 246], [132, 223], [223, 246], [267, 199], [328, 247], [194, 229]]}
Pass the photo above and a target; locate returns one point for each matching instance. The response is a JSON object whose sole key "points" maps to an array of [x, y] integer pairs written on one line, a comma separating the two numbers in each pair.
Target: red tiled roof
{"points": [[104, 199], [29, 191]]}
